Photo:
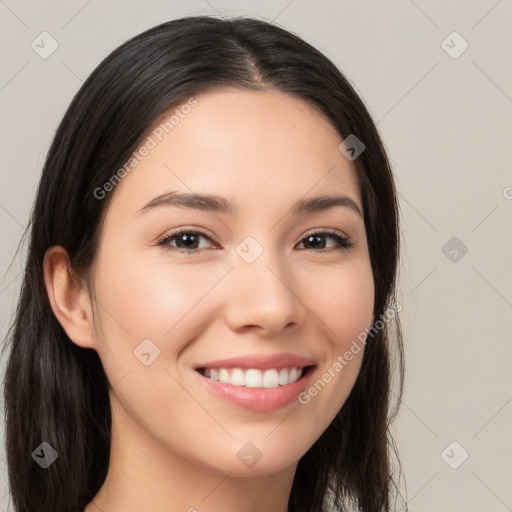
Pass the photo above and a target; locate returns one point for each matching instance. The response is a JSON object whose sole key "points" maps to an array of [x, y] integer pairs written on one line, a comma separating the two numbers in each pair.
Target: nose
{"points": [[263, 295]]}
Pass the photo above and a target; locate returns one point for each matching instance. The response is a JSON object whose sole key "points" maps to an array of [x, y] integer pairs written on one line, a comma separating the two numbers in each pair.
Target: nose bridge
{"points": [[260, 289]]}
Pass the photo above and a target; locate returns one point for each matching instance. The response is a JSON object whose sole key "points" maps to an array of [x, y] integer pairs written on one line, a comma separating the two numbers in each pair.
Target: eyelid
{"points": [[330, 231]]}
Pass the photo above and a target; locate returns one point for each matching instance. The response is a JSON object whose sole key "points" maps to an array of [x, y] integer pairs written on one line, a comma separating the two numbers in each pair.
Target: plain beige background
{"points": [[444, 112]]}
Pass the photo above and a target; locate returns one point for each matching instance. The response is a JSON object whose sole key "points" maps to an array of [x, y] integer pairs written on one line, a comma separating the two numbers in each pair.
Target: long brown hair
{"points": [[56, 391]]}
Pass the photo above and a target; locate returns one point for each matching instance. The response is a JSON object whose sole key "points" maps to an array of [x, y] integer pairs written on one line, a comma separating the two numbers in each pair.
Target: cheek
{"points": [[151, 300], [343, 300], [137, 302], [345, 309]]}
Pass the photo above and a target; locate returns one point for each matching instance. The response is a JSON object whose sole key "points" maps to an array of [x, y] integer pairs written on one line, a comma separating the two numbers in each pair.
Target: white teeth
{"points": [[270, 379], [237, 377], [254, 378], [283, 376], [224, 375]]}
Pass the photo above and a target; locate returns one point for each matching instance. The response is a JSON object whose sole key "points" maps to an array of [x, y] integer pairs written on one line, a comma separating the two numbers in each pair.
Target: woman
{"points": [[205, 312]]}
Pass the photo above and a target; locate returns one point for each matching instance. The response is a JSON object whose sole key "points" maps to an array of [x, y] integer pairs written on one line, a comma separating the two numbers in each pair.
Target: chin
{"points": [[260, 457]]}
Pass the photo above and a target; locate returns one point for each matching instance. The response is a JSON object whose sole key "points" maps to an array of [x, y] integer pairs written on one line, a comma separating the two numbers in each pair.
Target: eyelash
{"points": [[343, 241]]}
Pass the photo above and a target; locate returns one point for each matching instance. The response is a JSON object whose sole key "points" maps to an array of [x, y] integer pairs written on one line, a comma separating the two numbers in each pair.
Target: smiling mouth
{"points": [[254, 377]]}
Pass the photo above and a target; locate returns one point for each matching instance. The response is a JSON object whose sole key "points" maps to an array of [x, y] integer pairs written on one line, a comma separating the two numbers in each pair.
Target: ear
{"points": [[69, 301]]}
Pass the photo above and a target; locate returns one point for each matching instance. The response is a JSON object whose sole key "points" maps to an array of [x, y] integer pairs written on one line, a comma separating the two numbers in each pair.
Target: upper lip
{"points": [[260, 361]]}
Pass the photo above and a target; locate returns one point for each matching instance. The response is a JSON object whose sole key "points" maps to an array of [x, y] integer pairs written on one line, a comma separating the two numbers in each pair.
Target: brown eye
{"points": [[186, 241], [318, 241]]}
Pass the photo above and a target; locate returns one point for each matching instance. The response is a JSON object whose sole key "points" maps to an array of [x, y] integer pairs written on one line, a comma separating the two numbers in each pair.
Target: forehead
{"points": [[248, 146]]}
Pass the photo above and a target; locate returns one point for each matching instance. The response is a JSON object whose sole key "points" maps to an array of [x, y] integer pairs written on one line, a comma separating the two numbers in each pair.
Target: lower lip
{"points": [[258, 399]]}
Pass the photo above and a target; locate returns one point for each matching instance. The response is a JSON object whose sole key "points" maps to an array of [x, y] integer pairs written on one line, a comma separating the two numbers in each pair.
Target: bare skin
{"points": [[175, 444]]}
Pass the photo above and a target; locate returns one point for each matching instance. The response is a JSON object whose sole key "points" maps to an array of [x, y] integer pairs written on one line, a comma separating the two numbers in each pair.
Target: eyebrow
{"points": [[217, 204]]}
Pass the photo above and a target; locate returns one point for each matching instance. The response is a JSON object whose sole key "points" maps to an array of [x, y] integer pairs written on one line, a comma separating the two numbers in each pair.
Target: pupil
{"points": [[188, 240], [312, 238]]}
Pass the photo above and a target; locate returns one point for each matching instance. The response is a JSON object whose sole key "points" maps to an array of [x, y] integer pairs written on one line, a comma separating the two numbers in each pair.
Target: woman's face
{"points": [[234, 286]]}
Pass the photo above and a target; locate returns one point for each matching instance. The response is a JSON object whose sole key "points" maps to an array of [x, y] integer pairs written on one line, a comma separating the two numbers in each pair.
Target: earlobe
{"points": [[69, 301]]}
